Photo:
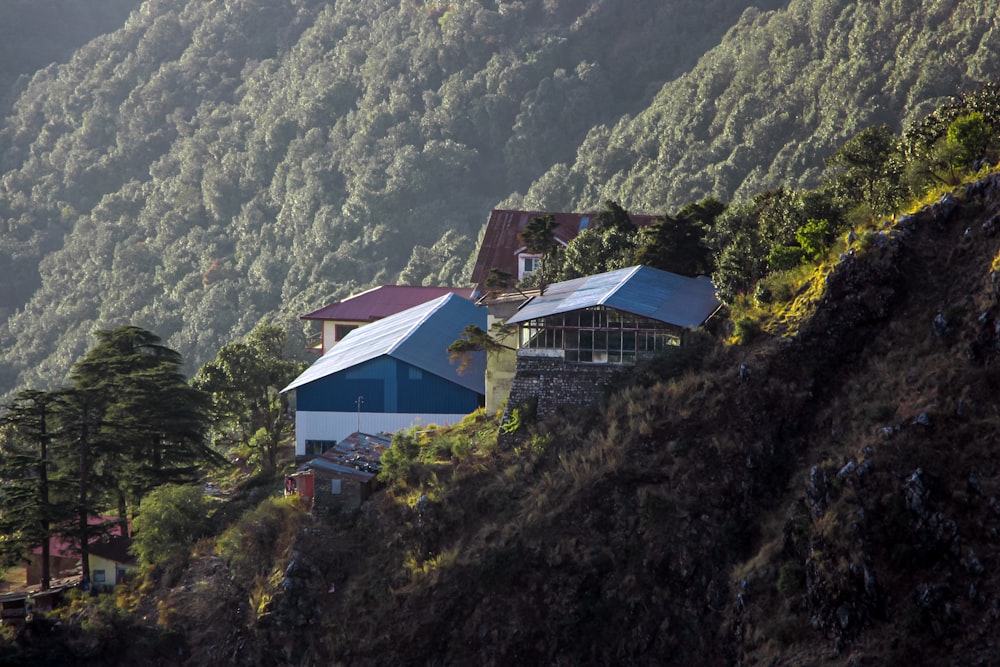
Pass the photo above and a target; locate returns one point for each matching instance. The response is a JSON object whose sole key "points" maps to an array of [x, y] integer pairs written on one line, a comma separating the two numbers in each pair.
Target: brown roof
{"points": [[501, 240], [383, 301]]}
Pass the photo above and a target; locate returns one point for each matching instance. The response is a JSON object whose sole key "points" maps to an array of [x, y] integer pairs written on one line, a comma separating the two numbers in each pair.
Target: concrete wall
{"points": [[338, 425]]}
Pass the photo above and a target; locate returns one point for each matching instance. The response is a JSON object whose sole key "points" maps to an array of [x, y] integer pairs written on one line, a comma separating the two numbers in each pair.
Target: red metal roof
{"points": [[383, 301], [501, 242], [63, 546]]}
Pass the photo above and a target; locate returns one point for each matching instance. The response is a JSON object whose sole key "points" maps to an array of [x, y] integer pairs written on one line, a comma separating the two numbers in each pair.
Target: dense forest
{"points": [[209, 163]]}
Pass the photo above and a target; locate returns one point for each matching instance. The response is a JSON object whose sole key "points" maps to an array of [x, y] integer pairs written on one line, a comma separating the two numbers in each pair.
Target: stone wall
{"points": [[557, 384]]}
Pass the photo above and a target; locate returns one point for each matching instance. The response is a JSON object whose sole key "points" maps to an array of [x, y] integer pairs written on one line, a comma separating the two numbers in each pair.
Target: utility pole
{"points": [[360, 402]]}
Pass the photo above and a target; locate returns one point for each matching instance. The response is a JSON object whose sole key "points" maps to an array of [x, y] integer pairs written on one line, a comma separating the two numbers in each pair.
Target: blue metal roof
{"points": [[419, 336], [640, 290]]}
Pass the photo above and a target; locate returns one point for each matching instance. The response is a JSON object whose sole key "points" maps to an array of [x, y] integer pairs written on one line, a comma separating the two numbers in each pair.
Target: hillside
{"points": [[834, 502], [210, 163], [35, 34], [779, 93], [826, 498], [214, 162]]}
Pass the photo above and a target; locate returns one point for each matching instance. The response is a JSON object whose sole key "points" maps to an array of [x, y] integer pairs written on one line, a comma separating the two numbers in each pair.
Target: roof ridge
{"points": [[444, 298], [631, 271]]}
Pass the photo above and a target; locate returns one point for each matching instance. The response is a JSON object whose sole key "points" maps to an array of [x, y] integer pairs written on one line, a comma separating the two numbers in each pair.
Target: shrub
{"points": [[399, 458], [168, 523], [260, 536], [746, 329], [813, 237], [784, 257]]}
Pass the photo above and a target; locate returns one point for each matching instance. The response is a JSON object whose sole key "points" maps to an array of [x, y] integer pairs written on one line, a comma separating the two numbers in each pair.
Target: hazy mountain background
{"points": [[210, 162]]}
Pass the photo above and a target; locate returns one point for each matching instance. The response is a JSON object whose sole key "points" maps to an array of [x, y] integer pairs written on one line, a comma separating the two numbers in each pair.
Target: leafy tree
{"points": [[599, 249], [968, 138], [169, 520], [813, 237], [678, 244], [867, 169], [399, 458], [784, 257], [616, 217], [244, 381]]}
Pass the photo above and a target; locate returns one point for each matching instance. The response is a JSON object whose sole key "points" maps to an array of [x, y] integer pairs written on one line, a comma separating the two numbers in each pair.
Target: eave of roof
{"points": [[382, 301]]}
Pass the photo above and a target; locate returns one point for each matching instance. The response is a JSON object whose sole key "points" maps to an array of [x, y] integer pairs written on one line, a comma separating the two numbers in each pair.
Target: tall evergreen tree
{"points": [[32, 487], [150, 423]]}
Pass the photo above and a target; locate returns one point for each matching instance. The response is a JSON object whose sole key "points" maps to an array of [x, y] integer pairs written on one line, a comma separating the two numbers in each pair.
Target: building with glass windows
{"points": [[617, 317]]}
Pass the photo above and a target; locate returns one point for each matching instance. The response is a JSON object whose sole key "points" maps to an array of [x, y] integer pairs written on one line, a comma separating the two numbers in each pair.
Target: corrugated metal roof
{"points": [[498, 249], [383, 301], [640, 290], [341, 471], [418, 336]]}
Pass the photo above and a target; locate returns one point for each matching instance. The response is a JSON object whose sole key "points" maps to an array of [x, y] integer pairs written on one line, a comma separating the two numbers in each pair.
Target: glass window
{"points": [[614, 340], [341, 330]]}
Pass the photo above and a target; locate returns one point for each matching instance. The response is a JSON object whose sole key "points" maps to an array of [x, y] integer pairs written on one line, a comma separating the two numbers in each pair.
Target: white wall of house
{"points": [[335, 426]]}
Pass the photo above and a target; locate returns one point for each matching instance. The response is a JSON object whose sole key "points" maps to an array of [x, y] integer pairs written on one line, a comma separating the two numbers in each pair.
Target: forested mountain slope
{"points": [[776, 97], [212, 162]]}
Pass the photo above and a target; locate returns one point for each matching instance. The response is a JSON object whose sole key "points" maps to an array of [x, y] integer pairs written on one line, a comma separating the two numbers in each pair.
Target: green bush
{"points": [[399, 458], [169, 521], [784, 257], [814, 237]]}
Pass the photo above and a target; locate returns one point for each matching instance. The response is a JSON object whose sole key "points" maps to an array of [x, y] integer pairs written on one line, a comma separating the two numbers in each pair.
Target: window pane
{"points": [[572, 339], [586, 340], [628, 341]]}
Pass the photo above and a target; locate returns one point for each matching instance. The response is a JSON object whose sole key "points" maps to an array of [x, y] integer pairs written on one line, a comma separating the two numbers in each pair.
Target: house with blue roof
{"points": [[390, 375], [616, 317], [573, 337]]}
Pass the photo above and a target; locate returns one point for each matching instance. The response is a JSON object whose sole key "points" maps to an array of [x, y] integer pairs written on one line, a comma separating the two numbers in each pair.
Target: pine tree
{"points": [[33, 487]]}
